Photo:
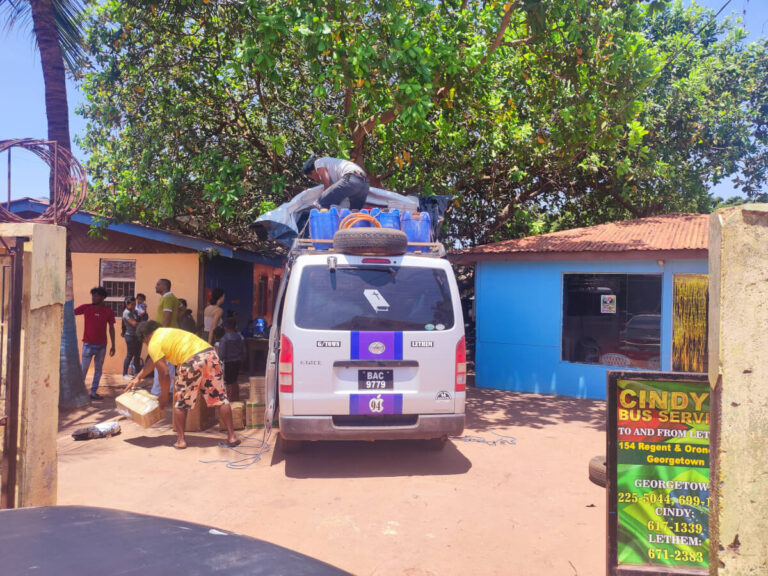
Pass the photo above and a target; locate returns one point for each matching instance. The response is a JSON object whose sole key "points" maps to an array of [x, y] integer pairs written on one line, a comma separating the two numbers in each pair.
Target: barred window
{"points": [[119, 279]]}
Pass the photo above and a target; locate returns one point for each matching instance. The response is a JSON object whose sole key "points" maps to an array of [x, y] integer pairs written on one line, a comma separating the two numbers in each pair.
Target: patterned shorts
{"points": [[202, 372]]}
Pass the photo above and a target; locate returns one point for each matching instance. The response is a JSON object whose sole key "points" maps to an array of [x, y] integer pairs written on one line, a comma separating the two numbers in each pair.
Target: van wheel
{"points": [[289, 446], [436, 444], [597, 472], [374, 241]]}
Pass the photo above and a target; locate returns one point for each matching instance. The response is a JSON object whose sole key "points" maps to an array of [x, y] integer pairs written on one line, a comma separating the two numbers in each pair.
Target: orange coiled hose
{"points": [[356, 217]]}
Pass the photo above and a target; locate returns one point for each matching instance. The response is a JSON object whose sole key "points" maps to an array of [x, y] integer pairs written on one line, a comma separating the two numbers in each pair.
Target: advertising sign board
{"points": [[658, 473]]}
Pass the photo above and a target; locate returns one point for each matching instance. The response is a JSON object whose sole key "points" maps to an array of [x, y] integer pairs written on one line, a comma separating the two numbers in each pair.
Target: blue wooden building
{"points": [[555, 312]]}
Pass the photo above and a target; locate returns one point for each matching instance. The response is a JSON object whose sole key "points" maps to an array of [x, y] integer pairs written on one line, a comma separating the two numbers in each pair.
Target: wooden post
{"points": [[738, 375]]}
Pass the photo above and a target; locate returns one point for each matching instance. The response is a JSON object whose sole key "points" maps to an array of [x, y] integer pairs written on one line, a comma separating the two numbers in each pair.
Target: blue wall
{"points": [[236, 279], [519, 309]]}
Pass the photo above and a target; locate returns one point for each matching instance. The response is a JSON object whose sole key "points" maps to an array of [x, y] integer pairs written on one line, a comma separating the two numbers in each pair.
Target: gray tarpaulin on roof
{"points": [[282, 223]]}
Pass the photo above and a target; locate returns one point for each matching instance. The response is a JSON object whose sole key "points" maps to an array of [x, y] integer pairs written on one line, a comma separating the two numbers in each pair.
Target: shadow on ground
{"points": [[97, 411], [488, 408], [169, 439], [384, 458]]}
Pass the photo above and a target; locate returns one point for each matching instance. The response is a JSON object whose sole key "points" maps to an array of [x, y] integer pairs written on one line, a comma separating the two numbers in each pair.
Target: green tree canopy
{"points": [[528, 113]]}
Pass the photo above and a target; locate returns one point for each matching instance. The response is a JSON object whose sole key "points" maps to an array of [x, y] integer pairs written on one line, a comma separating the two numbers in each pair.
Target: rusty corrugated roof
{"points": [[668, 232]]}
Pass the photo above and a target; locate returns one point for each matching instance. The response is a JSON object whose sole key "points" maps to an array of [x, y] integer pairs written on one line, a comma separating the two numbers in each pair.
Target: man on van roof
{"points": [[340, 179]]}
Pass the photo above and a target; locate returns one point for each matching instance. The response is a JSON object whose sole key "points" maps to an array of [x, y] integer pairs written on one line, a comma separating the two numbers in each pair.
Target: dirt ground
{"points": [[381, 508]]}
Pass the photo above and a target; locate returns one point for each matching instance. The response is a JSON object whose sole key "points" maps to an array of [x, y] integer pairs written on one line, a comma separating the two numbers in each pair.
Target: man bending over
{"points": [[198, 371]]}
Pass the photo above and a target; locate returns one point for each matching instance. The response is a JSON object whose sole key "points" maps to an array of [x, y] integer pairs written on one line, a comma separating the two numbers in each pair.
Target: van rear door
{"points": [[271, 375], [374, 339]]}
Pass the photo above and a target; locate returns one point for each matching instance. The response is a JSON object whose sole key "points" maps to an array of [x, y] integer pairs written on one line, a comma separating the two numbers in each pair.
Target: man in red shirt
{"points": [[97, 316]]}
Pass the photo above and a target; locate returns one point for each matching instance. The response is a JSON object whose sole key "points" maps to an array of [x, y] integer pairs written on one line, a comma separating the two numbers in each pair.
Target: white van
{"points": [[368, 344]]}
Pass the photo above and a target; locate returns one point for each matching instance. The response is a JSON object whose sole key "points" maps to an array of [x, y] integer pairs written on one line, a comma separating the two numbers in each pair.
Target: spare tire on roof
{"points": [[370, 241]]}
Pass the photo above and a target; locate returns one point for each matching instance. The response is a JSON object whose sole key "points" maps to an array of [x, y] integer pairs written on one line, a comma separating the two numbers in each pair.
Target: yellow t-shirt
{"points": [[175, 345], [170, 303]]}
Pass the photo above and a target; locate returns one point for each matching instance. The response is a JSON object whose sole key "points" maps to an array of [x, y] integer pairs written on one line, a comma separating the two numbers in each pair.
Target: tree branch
{"points": [[347, 101], [517, 41], [362, 129], [499, 35]]}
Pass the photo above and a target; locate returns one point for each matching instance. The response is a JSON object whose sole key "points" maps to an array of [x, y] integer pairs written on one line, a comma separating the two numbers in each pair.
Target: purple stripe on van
{"points": [[375, 403], [368, 346]]}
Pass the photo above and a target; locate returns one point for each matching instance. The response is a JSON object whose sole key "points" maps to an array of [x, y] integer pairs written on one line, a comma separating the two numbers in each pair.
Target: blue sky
{"points": [[22, 102]]}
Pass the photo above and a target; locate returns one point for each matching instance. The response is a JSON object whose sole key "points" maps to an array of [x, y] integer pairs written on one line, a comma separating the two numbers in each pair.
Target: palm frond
{"points": [[69, 16], [69, 21], [16, 15]]}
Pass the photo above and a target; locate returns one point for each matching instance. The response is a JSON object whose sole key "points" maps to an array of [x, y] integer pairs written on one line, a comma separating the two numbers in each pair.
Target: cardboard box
{"points": [[200, 417], [254, 408], [254, 415], [238, 416], [256, 389], [141, 407]]}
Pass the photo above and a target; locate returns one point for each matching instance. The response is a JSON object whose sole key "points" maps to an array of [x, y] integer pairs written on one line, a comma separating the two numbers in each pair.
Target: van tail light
{"points": [[285, 368], [461, 365]]}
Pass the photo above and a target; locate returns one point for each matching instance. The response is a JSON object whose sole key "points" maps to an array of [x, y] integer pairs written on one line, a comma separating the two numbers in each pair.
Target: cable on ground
{"points": [[503, 439], [249, 457]]}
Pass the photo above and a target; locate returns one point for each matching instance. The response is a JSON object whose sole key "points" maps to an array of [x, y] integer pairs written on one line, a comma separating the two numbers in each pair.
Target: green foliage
{"points": [[533, 115], [718, 202]]}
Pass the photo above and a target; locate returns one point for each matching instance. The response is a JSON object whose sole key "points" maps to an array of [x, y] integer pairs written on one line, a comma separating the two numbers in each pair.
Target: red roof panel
{"points": [[669, 232]]}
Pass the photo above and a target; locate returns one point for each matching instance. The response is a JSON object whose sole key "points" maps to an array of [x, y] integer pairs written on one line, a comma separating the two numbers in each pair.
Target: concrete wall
{"points": [[42, 313], [519, 314], [738, 374], [181, 269]]}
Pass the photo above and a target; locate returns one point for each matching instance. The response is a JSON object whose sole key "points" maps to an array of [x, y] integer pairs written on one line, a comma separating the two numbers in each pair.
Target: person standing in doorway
{"points": [[141, 310], [97, 316], [341, 180], [199, 372], [213, 314], [168, 317], [132, 344], [232, 351], [186, 321]]}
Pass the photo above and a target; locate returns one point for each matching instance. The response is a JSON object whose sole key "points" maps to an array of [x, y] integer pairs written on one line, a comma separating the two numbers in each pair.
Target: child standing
{"points": [[232, 350], [141, 307]]}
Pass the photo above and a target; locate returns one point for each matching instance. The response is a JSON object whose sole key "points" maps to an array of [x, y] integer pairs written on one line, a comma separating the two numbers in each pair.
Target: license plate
{"points": [[375, 403], [374, 379]]}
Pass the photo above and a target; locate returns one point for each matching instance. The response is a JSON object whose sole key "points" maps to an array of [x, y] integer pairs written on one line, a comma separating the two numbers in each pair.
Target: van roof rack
{"points": [[310, 246]]}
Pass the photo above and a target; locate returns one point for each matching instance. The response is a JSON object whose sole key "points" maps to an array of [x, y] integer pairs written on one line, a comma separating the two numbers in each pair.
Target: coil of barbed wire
{"points": [[70, 186]]}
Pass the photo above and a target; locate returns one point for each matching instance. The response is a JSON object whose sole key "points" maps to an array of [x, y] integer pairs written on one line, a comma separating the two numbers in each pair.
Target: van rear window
{"points": [[374, 299]]}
